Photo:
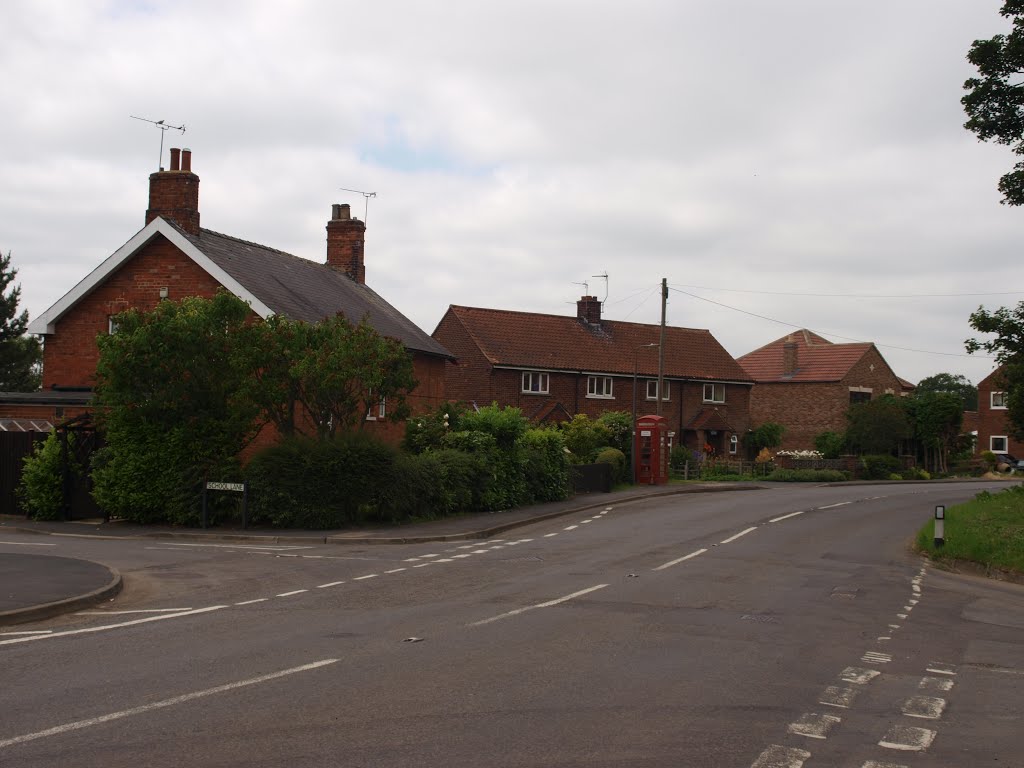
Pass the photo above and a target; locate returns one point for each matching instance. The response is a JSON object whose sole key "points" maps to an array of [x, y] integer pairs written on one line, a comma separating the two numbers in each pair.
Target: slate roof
{"points": [[818, 359], [559, 342], [305, 290]]}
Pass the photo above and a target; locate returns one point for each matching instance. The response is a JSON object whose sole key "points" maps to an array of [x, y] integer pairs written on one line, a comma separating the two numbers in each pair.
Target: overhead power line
{"points": [[854, 295], [826, 333]]}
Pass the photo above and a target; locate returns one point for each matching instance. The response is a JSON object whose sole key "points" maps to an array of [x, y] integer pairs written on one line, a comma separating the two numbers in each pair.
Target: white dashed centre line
{"points": [[371, 576], [80, 724], [107, 627], [250, 602], [293, 592], [736, 536], [786, 517], [330, 584], [678, 560], [396, 570], [547, 604]]}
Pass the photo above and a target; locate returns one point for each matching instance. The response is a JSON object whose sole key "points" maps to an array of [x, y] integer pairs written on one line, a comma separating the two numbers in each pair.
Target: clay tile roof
{"points": [[559, 342], [710, 418], [305, 290], [818, 359]]}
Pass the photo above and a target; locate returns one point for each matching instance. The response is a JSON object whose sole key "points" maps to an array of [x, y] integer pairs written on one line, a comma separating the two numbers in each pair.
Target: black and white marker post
{"points": [[940, 520]]}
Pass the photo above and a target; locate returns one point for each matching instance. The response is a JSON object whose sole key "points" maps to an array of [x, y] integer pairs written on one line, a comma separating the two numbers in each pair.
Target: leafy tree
{"points": [[994, 101], [169, 391], [957, 384], [1008, 347], [584, 436], [620, 426], [936, 418], [20, 355], [877, 426], [830, 444], [767, 435]]}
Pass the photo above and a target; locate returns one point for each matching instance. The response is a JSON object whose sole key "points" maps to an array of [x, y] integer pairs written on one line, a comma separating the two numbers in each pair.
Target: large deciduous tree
{"points": [[1007, 325], [954, 384], [20, 355], [994, 101], [936, 418], [877, 426]]}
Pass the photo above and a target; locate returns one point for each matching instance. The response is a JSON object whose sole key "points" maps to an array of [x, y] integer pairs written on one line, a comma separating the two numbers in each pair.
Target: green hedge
{"points": [[807, 476], [880, 466], [304, 483], [40, 491], [615, 457]]}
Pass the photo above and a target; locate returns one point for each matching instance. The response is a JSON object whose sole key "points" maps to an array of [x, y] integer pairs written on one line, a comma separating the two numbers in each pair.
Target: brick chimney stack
{"points": [[345, 238], [588, 309], [789, 356], [174, 194]]}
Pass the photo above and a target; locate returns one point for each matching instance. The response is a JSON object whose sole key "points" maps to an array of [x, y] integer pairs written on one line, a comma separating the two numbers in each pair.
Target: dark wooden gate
{"points": [[79, 440], [14, 447]]}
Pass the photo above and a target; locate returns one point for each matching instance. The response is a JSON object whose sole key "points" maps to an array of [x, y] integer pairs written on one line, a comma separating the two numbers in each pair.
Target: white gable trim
{"points": [[46, 323]]}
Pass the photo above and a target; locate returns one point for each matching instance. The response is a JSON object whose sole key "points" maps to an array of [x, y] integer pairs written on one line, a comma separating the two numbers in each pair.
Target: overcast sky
{"points": [[798, 160]]}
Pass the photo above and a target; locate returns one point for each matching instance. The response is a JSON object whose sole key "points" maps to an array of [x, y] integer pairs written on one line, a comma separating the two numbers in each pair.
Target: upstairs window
{"points": [[998, 399], [652, 390], [714, 393], [599, 386], [380, 411], [535, 382], [859, 395]]}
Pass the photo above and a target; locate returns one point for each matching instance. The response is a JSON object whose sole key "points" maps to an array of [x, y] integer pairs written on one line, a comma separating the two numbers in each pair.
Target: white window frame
{"points": [[715, 389], [381, 410], [992, 447], [543, 383], [652, 386], [111, 325], [992, 401], [600, 387], [734, 444]]}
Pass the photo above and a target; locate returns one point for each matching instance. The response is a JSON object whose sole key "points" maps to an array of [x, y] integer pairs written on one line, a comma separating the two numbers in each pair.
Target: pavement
{"points": [[36, 587]]}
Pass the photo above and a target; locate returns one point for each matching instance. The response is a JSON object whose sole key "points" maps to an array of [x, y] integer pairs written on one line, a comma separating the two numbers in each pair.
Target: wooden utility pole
{"points": [[661, 347]]}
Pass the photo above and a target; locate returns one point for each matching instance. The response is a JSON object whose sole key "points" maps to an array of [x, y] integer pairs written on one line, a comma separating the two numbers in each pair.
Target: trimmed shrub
{"points": [[431, 485], [807, 476], [915, 473], [584, 437], [303, 483], [41, 490], [617, 459], [546, 465], [505, 482], [426, 432], [880, 466]]}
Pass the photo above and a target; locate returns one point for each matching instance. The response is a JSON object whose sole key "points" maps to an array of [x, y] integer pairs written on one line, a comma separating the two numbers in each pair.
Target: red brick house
{"points": [[807, 383], [172, 257], [554, 367], [992, 423]]}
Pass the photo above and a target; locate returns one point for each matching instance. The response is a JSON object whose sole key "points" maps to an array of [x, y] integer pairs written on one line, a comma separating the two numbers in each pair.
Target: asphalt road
{"points": [[773, 629]]}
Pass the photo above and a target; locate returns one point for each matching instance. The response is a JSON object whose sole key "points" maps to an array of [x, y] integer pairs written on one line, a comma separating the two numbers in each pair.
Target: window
{"points": [[734, 443], [652, 390], [997, 444], [859, 395], [535, 382], [599, 386], [714, 393], [380, 412], [112, 326], [998, 399]]}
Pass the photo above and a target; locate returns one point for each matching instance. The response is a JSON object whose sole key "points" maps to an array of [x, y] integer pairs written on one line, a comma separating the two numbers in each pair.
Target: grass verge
{"points": [[988, 531]]}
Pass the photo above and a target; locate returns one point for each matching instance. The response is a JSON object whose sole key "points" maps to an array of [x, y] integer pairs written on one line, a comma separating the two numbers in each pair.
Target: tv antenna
{"points": [[164, 128], [586, 288], [604, 276], [366, 197]]}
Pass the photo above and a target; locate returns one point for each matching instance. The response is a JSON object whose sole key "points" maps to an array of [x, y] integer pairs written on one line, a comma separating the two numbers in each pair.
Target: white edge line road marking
{"points": [[678, 560], [293, 592], [275, 547], [119, 613], [331, 584], [571, 528], [741, 533], [80, 724], [547, 604], [833, 506], [781, 757], [250, 602], [105, 627], [549, 535], [27, 544], [786, 517], [28, 632]]}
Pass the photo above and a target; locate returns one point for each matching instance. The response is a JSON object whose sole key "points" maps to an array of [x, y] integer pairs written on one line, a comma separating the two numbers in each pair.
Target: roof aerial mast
{"points": [[366, 195], [164, 127]]}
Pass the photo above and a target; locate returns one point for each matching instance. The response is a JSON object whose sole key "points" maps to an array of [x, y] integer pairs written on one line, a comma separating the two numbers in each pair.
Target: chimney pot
{"points": [[345, 241], [174, 194], [175, 159], [186, 160], [341, 212]]}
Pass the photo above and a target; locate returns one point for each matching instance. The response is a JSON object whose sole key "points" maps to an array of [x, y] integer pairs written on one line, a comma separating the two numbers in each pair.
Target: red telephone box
{"points": [[651, 449]]}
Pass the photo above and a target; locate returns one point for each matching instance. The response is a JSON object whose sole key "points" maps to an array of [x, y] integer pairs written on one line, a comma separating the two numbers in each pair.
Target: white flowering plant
{"points": [[801, 454]]}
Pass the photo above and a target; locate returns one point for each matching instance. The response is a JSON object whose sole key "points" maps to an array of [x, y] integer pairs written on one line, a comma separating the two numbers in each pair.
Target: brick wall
{"points": [[70, 355], [994, 421], [54, 414], [806, 409]]}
